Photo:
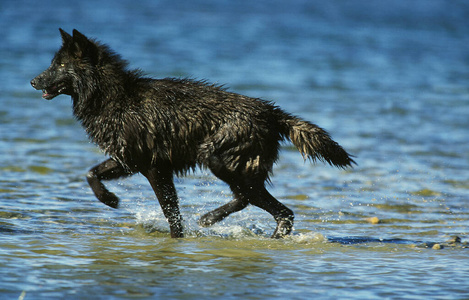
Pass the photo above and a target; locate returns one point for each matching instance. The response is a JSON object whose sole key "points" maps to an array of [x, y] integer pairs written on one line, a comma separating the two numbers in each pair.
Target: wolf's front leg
{"points": [[107, 170], [161, 180]]}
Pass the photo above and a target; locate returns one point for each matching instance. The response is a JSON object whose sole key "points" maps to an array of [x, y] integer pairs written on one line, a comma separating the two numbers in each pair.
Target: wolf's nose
{"points": [[33, 83]]}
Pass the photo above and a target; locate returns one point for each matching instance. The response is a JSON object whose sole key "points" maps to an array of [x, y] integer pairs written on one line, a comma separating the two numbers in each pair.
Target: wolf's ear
{"points": [[83, 47], [66, 38], [80, 38]]}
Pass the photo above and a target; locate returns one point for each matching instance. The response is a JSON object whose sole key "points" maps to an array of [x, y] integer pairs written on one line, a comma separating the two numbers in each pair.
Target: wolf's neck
{"points": [[103, 90], [102, 104]]}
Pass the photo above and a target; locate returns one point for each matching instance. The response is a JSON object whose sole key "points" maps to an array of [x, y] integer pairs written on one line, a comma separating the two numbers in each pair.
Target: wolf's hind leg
{"points": [[222, 212], [107, 170], [240, 201], [257, 195], [260, 197]]}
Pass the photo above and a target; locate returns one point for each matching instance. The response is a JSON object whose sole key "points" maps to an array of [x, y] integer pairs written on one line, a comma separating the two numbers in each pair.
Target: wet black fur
{"points": [[162, 127]]}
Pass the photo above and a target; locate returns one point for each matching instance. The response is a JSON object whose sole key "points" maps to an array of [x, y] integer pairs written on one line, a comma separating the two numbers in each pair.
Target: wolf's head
{"points": [[77, 57]]}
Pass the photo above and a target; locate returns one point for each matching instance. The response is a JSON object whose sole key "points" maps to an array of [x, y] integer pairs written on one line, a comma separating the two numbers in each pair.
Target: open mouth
{"points": [[53, 91]]}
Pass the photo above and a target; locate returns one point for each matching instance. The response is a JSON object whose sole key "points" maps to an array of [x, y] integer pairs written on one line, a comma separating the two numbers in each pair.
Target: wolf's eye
{"points": [[62, 65]]}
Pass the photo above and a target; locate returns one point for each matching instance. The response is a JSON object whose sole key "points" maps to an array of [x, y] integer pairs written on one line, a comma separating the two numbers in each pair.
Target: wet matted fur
{"points": [[167, 127]]}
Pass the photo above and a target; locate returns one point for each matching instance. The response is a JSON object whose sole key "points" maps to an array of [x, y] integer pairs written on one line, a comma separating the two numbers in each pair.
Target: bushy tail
{"points": [[315, 143]]}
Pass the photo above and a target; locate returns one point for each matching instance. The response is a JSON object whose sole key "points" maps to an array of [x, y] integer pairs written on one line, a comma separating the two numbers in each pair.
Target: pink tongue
{"points": [[45, 94]]}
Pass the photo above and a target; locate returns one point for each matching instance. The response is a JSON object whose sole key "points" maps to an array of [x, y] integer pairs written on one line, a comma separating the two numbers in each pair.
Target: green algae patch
{"points": [[40, 169], [426, 193]]}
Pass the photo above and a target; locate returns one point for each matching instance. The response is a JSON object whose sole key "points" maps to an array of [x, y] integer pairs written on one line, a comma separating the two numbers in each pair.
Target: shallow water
{"points": [[389, 82]]}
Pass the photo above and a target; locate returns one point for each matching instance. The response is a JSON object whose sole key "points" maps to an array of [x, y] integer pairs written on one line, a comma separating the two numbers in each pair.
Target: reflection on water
{"points": [[389, 82]]}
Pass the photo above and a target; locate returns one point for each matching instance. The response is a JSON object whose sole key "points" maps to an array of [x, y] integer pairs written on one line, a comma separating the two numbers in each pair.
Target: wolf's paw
{"points": [[207, 220], [110, 199], [284, 227]]}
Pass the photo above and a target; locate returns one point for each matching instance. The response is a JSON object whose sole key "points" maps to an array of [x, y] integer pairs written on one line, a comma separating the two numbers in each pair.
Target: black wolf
{"points": [[167, 127]]}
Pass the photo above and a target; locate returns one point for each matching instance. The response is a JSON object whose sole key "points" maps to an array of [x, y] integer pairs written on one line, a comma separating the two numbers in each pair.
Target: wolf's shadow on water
{"points": [[454, 241], [352, 240]]}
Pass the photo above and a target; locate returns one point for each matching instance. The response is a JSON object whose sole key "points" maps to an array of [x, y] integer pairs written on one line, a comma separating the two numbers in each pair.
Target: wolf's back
{"points": [[314, 142]]}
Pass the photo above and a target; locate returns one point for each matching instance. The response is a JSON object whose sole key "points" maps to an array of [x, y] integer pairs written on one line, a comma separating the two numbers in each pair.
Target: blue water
{"points": [[388, 79]]}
